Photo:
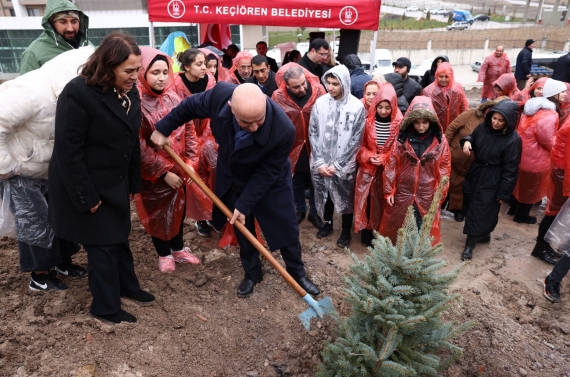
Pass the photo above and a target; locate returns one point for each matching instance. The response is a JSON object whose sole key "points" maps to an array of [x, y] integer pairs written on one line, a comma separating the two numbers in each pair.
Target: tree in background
{"points": [[450, 18], [397, 298], [428, 15]]}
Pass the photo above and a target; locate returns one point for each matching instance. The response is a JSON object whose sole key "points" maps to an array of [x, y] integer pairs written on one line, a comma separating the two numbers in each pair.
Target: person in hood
{"points": [[447, 95], [298, 91], [492, 68], [65, 28], [241, 68], [370, 90], [493, 173], [161, 203], [506, 85], [537, 128], [533, 88], [463, 126], [429, 76], [524, 64], [397, 82], [418, 161], [382, 125], [336, 129], [558, 189], [357, 75], [412, 88]]}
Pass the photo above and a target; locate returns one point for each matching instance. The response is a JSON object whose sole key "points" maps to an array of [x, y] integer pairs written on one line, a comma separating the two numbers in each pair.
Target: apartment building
{"points": [[20, 24]]}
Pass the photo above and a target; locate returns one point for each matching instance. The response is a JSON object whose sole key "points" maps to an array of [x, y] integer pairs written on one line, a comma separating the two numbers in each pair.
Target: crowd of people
{"points": [[264, 138]]}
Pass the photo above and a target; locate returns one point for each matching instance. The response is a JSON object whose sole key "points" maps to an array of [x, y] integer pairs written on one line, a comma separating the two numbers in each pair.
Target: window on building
{"points": [[12, 13], [34, 12]]}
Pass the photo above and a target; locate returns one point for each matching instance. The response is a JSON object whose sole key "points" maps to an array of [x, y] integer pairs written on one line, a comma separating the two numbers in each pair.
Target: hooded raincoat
{"points": [[508, 85], [449, 101], [493, 173], [461, 127], [429, 75], [299, 117], [50, 44], [413, 180], [537, 128], [558, 189], [232, 75], [528, 94], [369, 200], [491, 69], [363, 100], [161, 208], [336, 129], [565, 106]]}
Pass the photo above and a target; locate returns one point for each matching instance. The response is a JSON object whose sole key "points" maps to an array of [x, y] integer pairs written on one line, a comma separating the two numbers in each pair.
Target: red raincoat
{"points": [[491, 69], [508, 85], [558, 189], [565, 106], [299, 117], [231, 76], [537, 130], [527, 93], [161, 208], [449, 101], [369, 179], [414, 180]]}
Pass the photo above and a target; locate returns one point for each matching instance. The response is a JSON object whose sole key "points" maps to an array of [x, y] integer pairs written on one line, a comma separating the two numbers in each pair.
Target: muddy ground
{"points": [[199, 327]]}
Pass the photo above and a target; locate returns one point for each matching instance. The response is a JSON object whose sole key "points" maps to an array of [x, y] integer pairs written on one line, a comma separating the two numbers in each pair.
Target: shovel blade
{"points": [[316, 309]]}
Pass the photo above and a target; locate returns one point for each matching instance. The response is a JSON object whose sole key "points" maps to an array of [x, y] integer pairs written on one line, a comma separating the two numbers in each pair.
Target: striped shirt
{"points": [[382, 130]]}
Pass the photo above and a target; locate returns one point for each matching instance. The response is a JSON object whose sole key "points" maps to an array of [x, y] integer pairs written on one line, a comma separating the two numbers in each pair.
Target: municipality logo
{"points": [[348, 15], [176, 8]]}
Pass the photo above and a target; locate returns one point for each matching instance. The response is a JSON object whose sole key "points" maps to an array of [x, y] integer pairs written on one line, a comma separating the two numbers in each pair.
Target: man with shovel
{"points": [[254, 173]]}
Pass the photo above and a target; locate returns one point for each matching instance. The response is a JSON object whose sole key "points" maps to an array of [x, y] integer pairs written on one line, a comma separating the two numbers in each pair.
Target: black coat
{"points": [[411, 89], [397, 82], [494, 172], [272, 64], [261, 172], [96, 157], [524, 63], [270, 85], [429, 76], [316, 69], [562, 69]]}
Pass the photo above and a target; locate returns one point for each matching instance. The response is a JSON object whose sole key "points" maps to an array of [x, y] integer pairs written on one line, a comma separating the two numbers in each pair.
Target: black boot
{"points": [[467, 253], [485, 239], [345, 236], [326, 230], [540, 251], [366, 237]]}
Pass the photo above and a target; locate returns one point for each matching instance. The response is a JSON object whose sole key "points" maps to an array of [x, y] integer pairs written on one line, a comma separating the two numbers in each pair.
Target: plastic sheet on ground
{"points": [[558, 236]]}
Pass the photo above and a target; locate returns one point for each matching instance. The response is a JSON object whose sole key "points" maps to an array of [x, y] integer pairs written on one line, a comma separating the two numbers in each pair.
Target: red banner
{"points": [[340, 14]]}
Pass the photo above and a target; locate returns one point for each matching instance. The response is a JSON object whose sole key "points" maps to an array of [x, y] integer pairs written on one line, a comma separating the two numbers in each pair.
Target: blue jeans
{"points": [[300, 181]]}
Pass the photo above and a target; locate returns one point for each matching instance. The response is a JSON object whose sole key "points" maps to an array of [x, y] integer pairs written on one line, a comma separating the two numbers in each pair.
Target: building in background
{"points": [[20, 24]]}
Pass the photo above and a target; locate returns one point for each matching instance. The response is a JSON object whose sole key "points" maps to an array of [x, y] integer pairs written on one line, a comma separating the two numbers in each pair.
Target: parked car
{"points": [[481, 17], [413, 8], [459, 25], [439, 11], [431, 10], [476, 66]]}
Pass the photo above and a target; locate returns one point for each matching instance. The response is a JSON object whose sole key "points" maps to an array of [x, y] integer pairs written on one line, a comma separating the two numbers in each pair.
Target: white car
{"points": [[431, 10], [413, 8], [439, 11], [459, 25], [476, 66]]}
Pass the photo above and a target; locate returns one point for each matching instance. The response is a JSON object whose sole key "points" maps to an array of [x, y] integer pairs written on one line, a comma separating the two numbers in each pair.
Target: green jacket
{"points": [[50, 44]]}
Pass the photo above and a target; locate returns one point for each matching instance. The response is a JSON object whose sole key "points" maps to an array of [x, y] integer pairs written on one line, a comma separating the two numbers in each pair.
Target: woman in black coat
{"points": [[95, 171], [429, 75], [492, 175]]}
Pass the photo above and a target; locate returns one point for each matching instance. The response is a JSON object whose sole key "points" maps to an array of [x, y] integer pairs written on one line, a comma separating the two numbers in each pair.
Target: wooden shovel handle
{"points": [[229, 214]]}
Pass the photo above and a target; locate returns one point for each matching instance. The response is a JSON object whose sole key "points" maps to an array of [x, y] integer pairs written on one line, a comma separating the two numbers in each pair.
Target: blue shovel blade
{"points": [[316, 309]]}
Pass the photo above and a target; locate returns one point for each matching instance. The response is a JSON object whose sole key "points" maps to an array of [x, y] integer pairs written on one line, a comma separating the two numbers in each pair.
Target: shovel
{"points": [[316, 308]]}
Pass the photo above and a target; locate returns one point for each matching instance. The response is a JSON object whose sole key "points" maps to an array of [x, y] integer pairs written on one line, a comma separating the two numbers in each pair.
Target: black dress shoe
{"points": [[316, 221], [485, 239], [308, 286], [525, 219], [458, 216], [467, 253], [512, 211], [113, 319], [142, 298], [246, 286], [325, 230], [300, 217], [540, 251]]}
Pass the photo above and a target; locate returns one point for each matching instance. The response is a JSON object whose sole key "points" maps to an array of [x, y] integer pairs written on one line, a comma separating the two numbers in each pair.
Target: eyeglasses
{"points": [[323, 54]]}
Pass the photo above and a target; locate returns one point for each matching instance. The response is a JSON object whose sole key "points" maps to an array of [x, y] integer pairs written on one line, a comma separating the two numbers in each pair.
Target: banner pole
{"points": [[151, 34], [373, 52]]}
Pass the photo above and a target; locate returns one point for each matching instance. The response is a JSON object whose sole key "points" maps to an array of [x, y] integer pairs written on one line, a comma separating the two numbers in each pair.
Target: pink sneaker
{"points": [[166, 264], [185, 256]]}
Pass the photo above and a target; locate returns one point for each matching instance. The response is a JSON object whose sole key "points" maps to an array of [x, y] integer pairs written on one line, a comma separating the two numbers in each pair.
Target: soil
{"points": [[199, 327]]}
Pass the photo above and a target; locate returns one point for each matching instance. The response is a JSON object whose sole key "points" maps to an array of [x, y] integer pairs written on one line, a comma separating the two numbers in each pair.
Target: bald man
{"points": [[254, 173]]}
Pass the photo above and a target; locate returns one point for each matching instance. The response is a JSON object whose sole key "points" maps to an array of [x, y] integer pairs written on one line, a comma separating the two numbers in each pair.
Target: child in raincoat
{"points": [[418, 161], [161, 203], [382, 125]]}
